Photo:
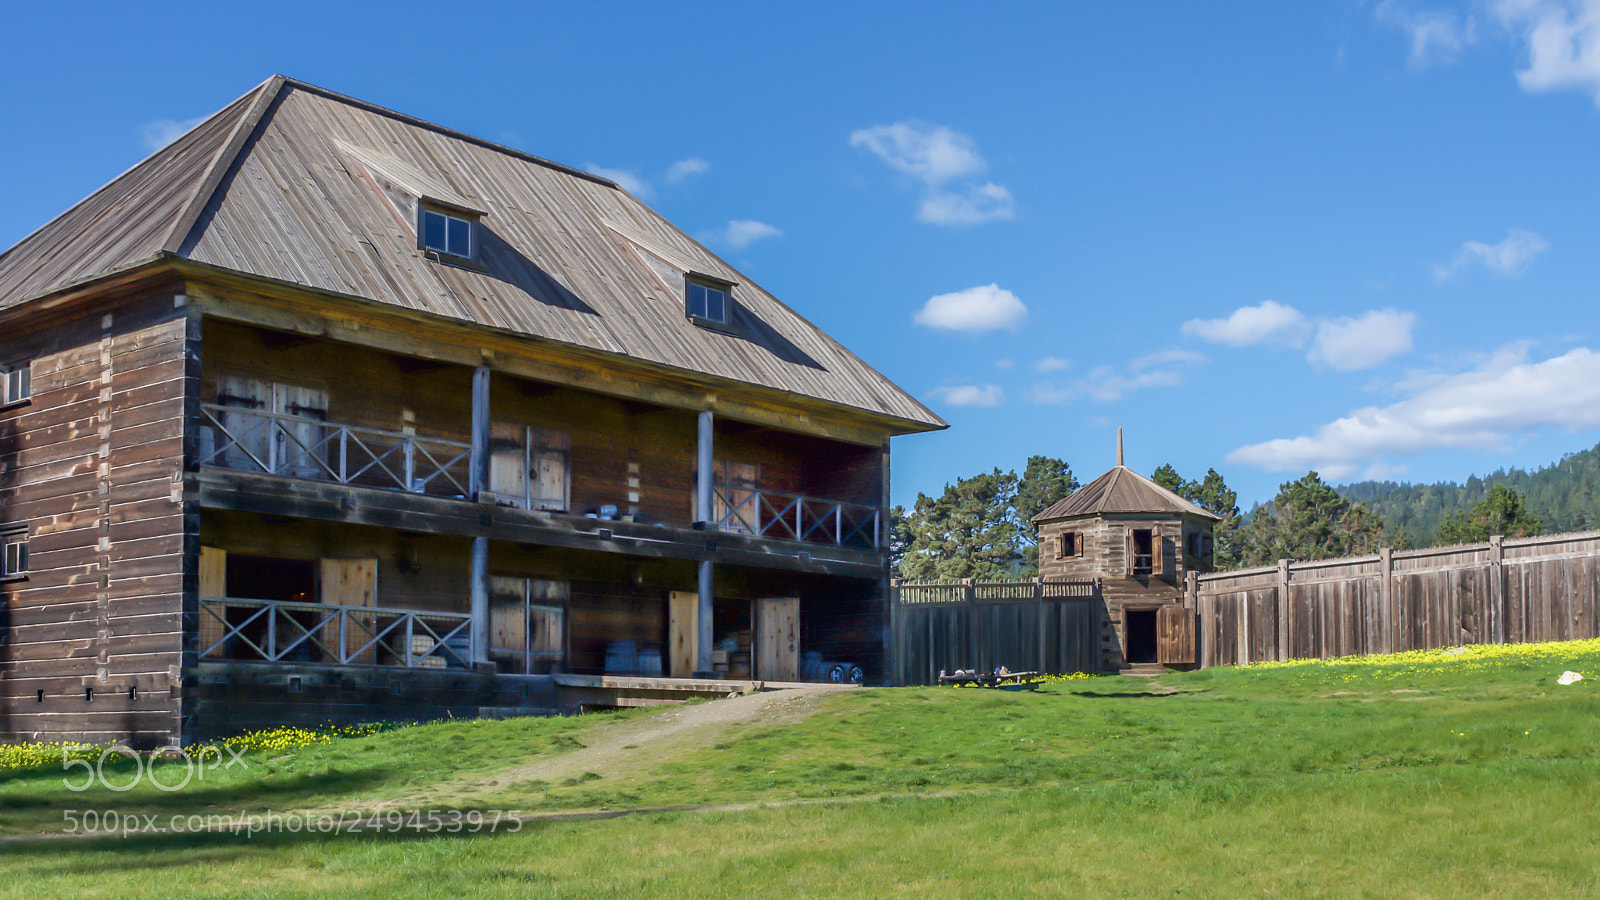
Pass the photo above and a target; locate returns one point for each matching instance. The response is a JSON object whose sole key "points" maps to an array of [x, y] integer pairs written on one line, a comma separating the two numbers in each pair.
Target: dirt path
{"points": [[623, 751]]}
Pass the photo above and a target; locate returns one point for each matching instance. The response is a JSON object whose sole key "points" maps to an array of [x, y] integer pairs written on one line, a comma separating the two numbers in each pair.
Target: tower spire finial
{"points": [[1119, 446]]}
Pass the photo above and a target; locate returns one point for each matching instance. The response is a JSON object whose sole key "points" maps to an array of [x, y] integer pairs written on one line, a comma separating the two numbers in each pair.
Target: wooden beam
{"points": [[296, 498]]}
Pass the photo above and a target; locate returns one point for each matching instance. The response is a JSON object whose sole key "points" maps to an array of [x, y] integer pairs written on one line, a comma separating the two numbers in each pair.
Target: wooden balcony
{"points": [[250, 440], [792, 517], [275, 631]]}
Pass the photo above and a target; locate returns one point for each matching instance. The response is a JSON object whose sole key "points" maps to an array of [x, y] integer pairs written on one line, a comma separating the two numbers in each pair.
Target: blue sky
{"points": [[1361, 237]]}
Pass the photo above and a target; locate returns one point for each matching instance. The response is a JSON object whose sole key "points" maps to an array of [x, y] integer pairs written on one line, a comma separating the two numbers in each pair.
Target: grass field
{"points": [[1473, 774]]}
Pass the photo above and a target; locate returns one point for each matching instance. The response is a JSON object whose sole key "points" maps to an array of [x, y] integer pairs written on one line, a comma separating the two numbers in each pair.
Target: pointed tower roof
{"points": [[1119, 491]]}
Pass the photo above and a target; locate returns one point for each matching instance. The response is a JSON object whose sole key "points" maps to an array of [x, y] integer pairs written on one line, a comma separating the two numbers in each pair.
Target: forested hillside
{"points": [[1565, 496]]}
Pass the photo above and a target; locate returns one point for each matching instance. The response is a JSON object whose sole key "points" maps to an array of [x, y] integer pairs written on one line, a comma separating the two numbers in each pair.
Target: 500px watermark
{"points": [[195, 765], [112, 823]]}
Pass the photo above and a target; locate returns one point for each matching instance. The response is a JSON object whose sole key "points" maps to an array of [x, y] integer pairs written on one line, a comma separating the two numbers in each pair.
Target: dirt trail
{"points": [[620, 751]]}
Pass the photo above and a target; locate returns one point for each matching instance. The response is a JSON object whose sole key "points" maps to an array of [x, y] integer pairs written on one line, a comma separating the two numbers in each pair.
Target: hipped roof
{"points": [[1121, 491], [282, 184]]}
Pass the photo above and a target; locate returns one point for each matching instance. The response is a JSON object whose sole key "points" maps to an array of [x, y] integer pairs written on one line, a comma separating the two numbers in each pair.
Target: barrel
{"points": [[649, 663], [622, 658], [812, 668], [855, 675]]}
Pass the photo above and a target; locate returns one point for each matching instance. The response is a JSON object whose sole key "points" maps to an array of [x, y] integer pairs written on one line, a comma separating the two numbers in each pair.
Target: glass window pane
{"points": [[25, 375], [716, 305], [697, 300], [460, 237], [433, 228]]}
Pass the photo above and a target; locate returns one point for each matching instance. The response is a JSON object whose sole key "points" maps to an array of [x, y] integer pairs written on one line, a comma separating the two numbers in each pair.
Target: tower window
{"points": [[707, 301]]}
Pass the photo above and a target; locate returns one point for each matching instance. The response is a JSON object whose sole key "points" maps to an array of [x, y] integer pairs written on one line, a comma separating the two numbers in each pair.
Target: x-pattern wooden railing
{"points": [[282, 444], [796, 518], [279, 631]]}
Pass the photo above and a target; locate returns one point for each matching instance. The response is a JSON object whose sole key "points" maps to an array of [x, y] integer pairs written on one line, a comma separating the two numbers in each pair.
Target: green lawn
{"points": [[1468, 775]]}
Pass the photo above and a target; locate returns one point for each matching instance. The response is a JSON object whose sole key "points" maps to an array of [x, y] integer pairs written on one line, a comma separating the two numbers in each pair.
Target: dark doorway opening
{"points": [[1141, 629], [270, 578]]}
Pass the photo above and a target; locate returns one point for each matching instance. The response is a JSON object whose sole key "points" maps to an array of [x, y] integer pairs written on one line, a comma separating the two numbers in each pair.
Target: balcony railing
{"points": [[279, 631], [280, 444], [795, 518]]}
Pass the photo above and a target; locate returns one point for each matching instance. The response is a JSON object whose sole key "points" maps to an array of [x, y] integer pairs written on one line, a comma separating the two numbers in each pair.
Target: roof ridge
{"points": [[178, 240]]}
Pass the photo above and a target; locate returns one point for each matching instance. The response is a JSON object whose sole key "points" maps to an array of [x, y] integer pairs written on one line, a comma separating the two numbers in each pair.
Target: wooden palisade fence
{"points": [[1030, 625], [1508, 590]]}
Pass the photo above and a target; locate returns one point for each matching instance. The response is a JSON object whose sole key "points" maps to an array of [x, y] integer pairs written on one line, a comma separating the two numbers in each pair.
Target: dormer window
{"points": [[707, 301], [446, 233]]}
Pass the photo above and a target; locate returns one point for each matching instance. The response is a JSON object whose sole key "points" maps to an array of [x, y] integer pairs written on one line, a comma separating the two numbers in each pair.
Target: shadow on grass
{"points": [[47, 791], [1119, 695]]}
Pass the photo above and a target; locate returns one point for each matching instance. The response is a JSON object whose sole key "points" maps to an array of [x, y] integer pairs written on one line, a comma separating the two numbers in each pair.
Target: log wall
{"points": [[91, 641]]}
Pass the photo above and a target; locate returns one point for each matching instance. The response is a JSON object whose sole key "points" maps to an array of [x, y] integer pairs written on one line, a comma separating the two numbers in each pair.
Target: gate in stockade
{"points": [[1032, 625]]}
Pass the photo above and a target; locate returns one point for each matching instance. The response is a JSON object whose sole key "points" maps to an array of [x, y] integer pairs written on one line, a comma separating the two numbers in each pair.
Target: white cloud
{"points": [[1051, 364], [1006, 364], [1437, 35], [1483, 408], [1108, 384], [1269, 322], [1563, 38], [977, 204], [625, 179], [934, 154], [741, 233], [1361, 342], [937, 156], [1509, 257], [684, 168], [975, 310], [970, 395], [161, 132]]}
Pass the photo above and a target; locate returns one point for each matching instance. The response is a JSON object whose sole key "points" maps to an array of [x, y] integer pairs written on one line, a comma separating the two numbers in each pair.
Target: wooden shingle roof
{"points": [[283, 184], [1121, 491]]}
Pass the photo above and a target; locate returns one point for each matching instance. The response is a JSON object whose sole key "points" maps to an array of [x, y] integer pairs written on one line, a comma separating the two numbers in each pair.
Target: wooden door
{"points": [[683, 633], [508, 622], [1175, 635], [778, 639], [548, 485], [300, 452], [508, 462], [354, 583], [248, 438], [734, 501], [213, 583]]}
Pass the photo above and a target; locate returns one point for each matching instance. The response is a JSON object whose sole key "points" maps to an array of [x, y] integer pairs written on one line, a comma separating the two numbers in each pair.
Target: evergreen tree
{"points": [[1213, 495], [1501, 511], [980, 527], [1309, 520]]}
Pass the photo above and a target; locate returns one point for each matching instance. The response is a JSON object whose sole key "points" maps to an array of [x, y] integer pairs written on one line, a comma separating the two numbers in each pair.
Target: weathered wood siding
{"points": [[92, 640], [1505, 591], [1036, 625]]}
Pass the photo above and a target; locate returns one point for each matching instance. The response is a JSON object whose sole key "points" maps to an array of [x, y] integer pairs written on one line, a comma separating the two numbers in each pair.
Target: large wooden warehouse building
{"points": [[323, 412]]}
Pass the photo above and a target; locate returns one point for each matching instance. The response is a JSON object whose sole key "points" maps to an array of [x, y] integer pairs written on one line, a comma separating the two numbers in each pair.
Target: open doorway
{"points": [[1140, 628]]}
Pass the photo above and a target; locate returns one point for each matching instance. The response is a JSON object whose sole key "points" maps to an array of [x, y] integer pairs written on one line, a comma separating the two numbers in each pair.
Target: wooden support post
{"points": [[478, 480], [480, 600], [1387, 616], [1038, 596], [704, 621], [1284, 606], [704, 470], [1191, 589], [1495, 605]]}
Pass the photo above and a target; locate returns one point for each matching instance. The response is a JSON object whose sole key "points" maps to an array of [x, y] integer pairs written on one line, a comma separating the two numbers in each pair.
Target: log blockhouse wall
{"points": [[1505, 591]]}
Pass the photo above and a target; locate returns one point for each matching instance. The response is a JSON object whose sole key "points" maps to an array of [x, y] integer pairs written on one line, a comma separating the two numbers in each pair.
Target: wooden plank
{"points": [[683, 632], [1175, 635], [777, 638]]}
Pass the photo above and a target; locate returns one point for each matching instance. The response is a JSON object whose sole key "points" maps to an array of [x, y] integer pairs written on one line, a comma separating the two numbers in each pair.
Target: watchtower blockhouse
{"points": [[1141, 541]]}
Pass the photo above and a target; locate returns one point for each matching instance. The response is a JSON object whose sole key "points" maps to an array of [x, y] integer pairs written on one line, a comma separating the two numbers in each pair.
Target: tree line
{"points": [[981, 527]]}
